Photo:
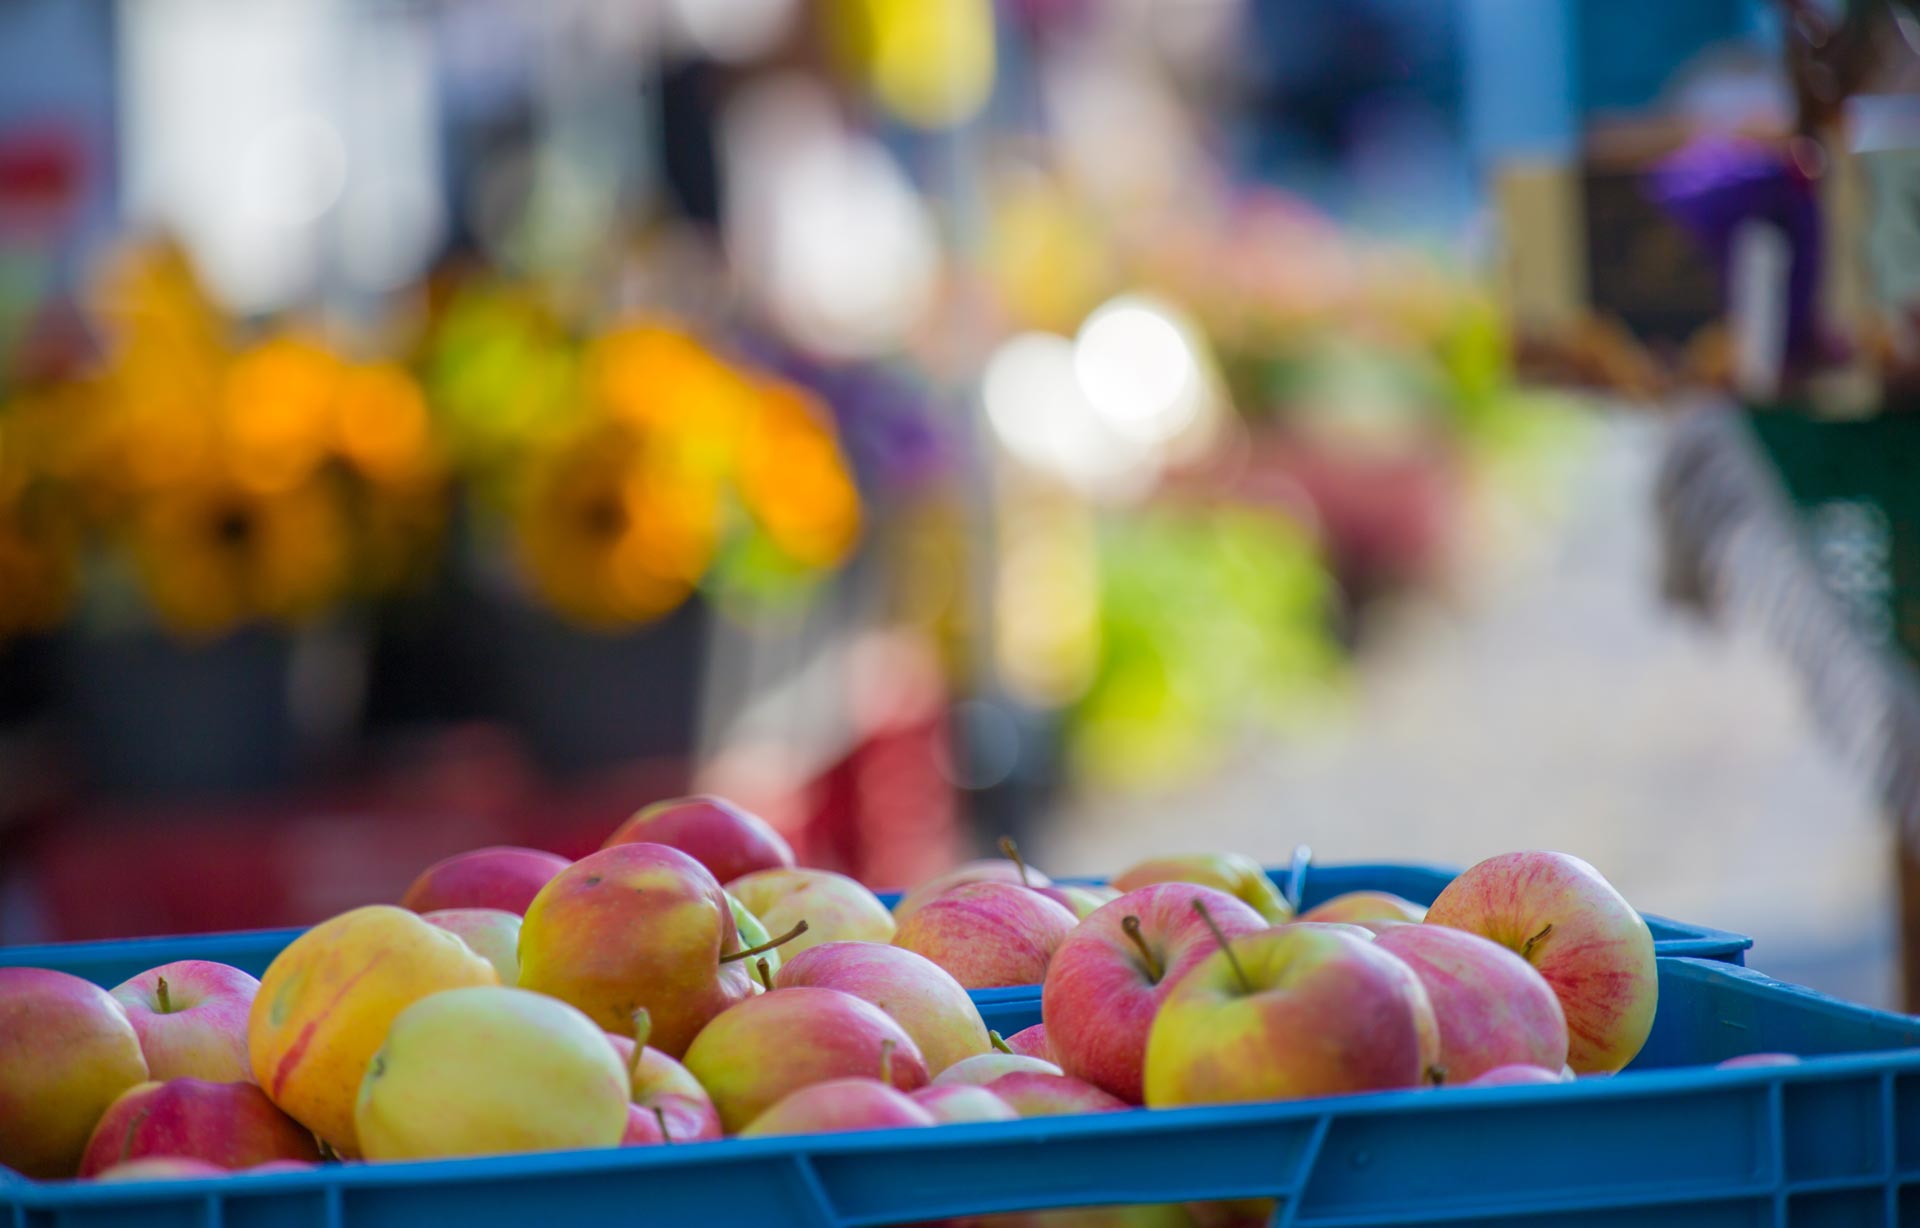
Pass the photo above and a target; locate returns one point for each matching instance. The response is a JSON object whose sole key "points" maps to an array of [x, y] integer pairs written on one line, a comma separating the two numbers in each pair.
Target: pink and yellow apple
{"points": [[982, 1070], [955, 1104], [67, 1052], [490, 1071], [673, 1107], [501, 876], [191, 1017], [839, 1105], [493, 933], [1107, 980], [988, 934], [1493, 1009], [637, 926], [1032, 1093], [327, 1000], [160, 1168], [1516, 1075], [1366, 909], [228, 1125], [920, 996], [728, 840], [1032, 1042], [986, 870], [1239, 876], [1562, 917], [762, 1050], [835, 907], [1293, 1011]]}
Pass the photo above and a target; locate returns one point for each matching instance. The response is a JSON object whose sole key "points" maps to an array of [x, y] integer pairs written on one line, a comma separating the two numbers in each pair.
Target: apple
{"points": [[1232, 1213], [191, 1017], [1032, 1042], [1293, 1011], [327, 1000], [228, 1125], [1362, 932], [1517, 1074], [986, 870], [1239, 876], [1146, 1215], [729, 841], [758, 1052], [1566, 920], [1750, 1060], [675, 1107], [282, 1166], [1493, 1009], [955, 1104], [988, 934], [501, 876], [835, 907], [982, 1070], [920, 996], [492, 933], [1365, 909], [1107, 980], [1082, 899], [1032, 1093], [160, 1168], [489, 1071], [754, 934], [839, 1105], [68, 1053], [633, 926]]}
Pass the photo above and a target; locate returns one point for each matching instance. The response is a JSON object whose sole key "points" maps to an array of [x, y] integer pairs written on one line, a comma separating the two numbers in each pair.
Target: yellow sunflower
{"points": [[794, 481], [219, 551], [614, 529]]}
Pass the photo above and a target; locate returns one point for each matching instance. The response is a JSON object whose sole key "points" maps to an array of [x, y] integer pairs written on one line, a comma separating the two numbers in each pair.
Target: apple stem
{"points": [[660, 1116], [1526, 950], [1437, 1075], [765, 971], [886, 1062], [799, 928], [1011, 852], [160, 992], [1226, 948], [327, 1152], [1131, 924], [133, 1128], [642, 1029], [999, 1041]]}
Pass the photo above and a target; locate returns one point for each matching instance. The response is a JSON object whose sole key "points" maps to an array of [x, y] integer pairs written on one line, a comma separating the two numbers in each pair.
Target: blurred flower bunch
{"points": [[204, 481], [625, 469]]}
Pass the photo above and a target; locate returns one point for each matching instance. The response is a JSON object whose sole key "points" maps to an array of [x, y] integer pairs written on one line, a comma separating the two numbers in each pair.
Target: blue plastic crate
{"points": [[1832, 1141], [109, 963]]}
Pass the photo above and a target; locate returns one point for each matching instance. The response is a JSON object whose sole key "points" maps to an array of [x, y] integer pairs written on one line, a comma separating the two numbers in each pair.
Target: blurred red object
{"points": [[43, 170]]}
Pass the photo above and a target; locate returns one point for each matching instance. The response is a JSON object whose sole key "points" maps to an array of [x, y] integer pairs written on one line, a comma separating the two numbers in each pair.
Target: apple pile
{"points": [[688, 981]]}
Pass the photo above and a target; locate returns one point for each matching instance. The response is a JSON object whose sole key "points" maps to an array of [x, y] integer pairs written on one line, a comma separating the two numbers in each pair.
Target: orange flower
{"points": [[794, 481]]}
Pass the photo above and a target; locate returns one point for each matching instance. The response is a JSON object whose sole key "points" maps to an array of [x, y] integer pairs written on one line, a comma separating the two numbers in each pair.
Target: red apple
{"points": [[191, 1017], [500, 877], [1293, 1011], [675, 1108], [839, 1105], [982, 1070], [229, 1125], [953, 1104], [1492, 1007], [66, 1053], [1033, 1094], [637, 926], [1366, 909], [729, 841], [758, 1052], [1032, 1042], [1107, 980], [1567, 921], [922, 998], [988, 934]]}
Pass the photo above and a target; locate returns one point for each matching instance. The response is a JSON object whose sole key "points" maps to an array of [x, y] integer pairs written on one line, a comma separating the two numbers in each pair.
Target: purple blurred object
{"points": [[888, 420], [1715, 185]]}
